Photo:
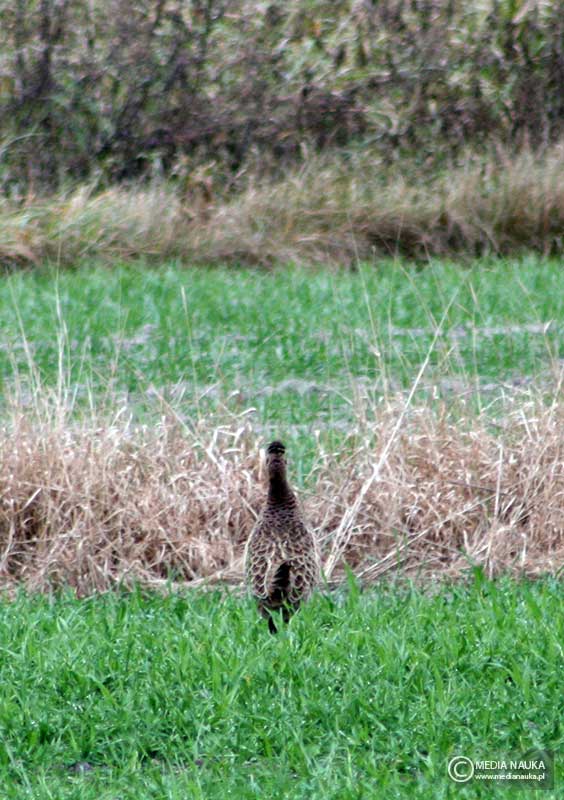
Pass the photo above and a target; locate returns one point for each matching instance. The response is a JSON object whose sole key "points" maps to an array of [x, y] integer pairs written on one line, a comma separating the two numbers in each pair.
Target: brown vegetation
{"points": [[238, 131], [117, 90], [92, 505], [333, 210]]}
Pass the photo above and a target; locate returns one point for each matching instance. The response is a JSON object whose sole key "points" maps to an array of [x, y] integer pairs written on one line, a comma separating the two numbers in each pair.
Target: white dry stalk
{"points": [[346, 527]]}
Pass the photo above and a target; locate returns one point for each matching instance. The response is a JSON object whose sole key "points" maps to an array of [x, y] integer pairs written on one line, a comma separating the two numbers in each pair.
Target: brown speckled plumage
{"points": [[281, 559]]}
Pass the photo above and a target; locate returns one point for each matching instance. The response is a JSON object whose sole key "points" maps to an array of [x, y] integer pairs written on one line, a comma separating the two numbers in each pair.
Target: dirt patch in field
{"points": [[94, 505]]}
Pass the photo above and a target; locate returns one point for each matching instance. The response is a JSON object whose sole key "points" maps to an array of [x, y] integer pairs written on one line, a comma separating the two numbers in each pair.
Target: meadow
{"points": [[366, 694], [335, 224], [136, 401], [299, 351]]}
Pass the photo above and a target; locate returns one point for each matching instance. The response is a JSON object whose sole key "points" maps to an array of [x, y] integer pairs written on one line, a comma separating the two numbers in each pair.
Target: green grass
{"points": [[298, 346], [365, 695]]}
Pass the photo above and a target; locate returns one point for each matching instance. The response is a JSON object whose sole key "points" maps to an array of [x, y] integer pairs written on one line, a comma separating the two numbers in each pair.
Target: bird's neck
{"points": [[278, 488]]}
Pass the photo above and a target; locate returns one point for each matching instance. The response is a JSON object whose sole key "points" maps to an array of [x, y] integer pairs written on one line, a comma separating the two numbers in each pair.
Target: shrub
{"points": [[117, 90]]}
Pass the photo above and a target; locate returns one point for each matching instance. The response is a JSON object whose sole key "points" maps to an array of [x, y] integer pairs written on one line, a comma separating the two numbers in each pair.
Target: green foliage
{"points": [[296, 345], [190, 696]]}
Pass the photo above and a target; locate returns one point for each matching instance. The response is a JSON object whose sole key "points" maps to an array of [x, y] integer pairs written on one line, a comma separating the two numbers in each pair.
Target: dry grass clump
{"points": [[456, 495], [333, 210], [91, 506], [342, 212], [117, 224]]}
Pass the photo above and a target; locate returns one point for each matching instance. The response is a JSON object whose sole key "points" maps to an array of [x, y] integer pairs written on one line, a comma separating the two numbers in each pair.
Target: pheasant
{"points": [[281, 558]]}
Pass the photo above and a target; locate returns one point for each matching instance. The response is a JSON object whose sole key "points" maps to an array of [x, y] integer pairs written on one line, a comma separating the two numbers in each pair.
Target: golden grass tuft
{"points": [[356, 210], [91, 506], [334, 209], [117, 224]]}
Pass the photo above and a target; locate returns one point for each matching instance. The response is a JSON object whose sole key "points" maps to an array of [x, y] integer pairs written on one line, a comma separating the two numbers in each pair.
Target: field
{"points": [[135, 403], [367, 694], [338, 224], [301, 349]]}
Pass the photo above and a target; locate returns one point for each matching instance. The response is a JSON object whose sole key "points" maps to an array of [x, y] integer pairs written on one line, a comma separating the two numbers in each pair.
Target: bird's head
{"points": [[275, 457]]}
